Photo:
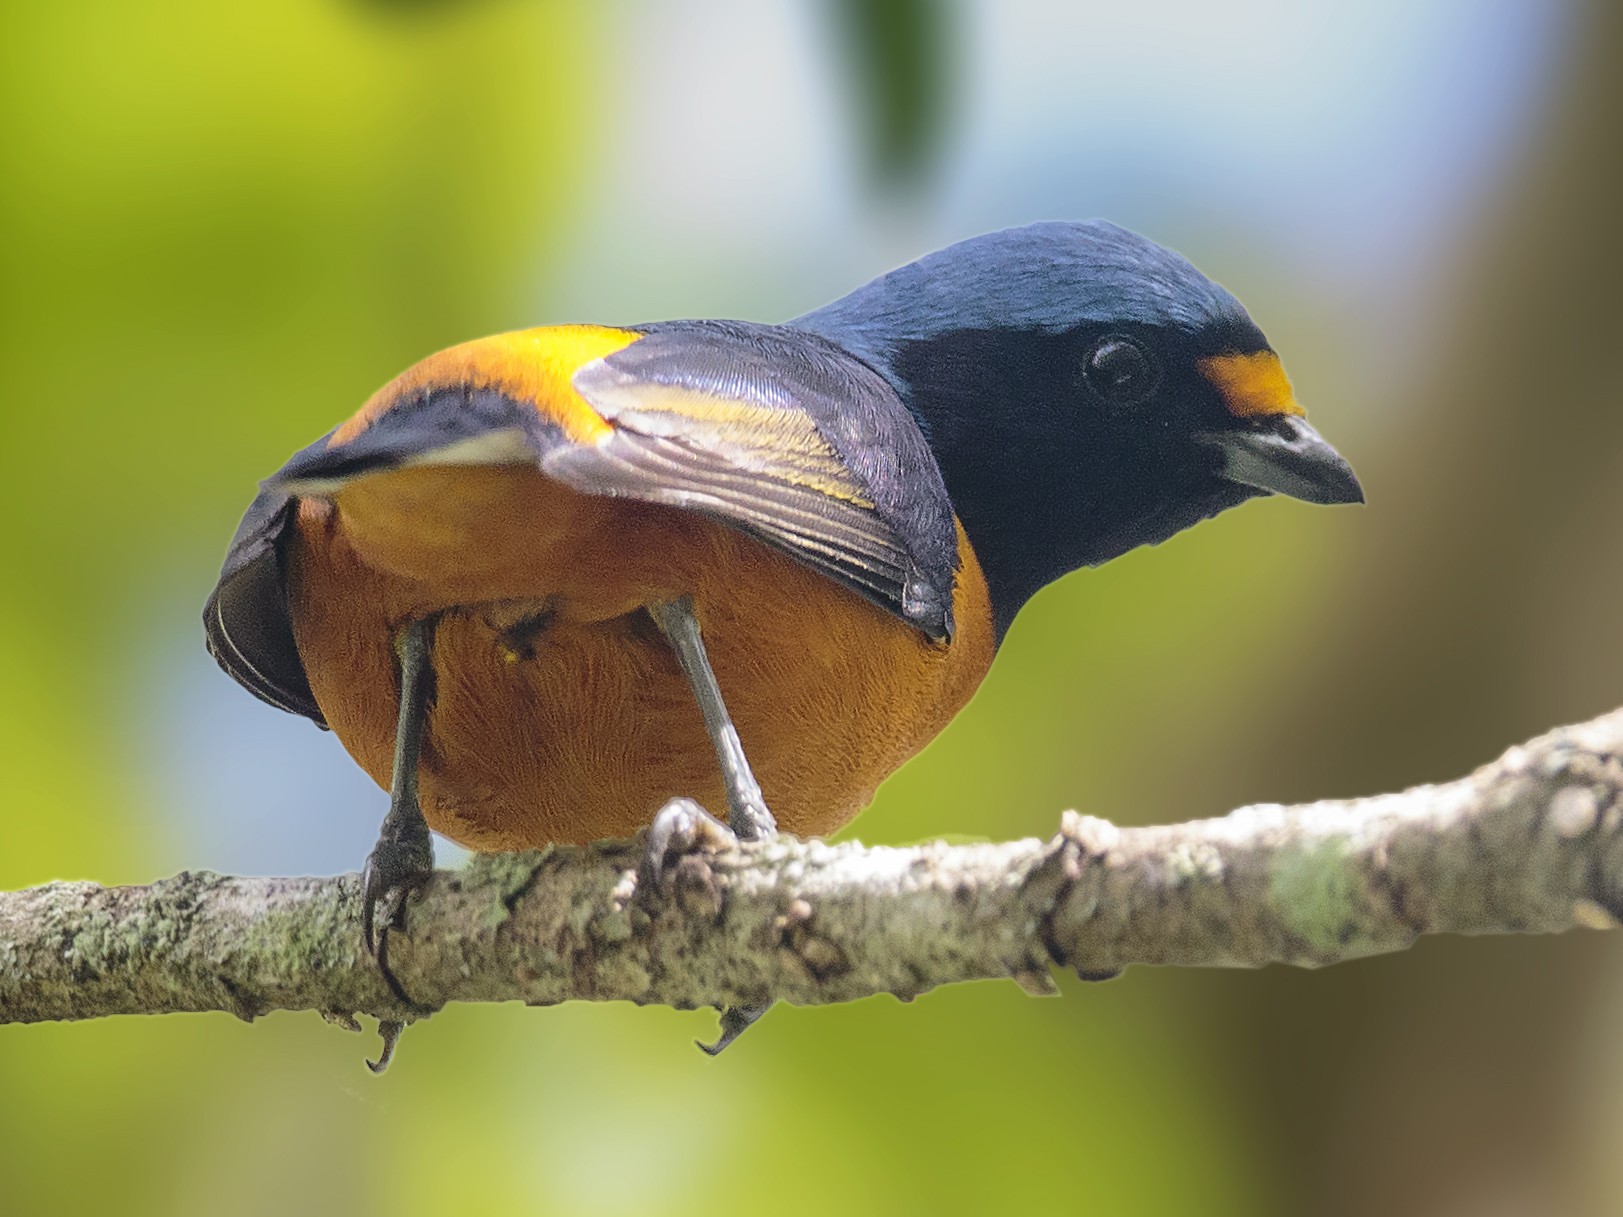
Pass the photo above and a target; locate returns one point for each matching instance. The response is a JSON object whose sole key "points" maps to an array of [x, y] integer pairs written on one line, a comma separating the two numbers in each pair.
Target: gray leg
{"points": [[747, 814], [403, 859]]}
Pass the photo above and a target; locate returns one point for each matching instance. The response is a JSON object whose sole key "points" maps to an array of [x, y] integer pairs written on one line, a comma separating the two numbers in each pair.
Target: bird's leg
{"points": [[747, 814], [403, 859]]}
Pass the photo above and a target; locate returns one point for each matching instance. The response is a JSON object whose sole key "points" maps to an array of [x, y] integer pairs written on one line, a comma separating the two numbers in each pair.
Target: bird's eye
{"points": [[1121, 371]]}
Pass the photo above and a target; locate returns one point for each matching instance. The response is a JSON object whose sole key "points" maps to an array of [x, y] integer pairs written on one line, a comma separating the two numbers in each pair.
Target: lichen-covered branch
{"points": [[1531, 843]]}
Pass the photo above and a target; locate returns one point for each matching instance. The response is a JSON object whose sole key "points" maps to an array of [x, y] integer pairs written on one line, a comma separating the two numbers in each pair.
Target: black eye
{"points": [[1121, 371]]}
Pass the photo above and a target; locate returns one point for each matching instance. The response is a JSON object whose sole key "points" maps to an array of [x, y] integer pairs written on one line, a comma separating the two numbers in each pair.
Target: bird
{"points": [[567, 582]]}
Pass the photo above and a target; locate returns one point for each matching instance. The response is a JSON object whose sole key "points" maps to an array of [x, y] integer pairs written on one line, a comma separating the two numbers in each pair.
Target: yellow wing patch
{"points": [[777, 440], [1252, 386], [533, 366]]}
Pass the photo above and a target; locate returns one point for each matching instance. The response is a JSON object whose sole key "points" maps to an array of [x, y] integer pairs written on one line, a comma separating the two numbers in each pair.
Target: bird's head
{"points": [[1085, 391]]}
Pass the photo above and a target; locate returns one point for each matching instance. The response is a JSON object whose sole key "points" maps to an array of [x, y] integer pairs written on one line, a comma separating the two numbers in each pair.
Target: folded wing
{"points": [[785, 436]]}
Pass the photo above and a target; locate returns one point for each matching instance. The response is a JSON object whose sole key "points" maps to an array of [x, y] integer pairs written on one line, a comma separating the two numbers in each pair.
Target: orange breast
{"points": [[560, 714]]}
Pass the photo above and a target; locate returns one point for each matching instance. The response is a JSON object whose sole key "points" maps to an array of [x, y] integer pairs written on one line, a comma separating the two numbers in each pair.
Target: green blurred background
{"points": [[225, 225]]}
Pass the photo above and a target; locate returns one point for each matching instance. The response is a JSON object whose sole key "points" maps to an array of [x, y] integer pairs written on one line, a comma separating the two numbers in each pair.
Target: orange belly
{"points": [[578, 724]]}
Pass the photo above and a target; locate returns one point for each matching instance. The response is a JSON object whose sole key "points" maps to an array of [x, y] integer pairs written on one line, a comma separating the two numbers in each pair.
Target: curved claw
{"points": [[389, 1031], [735, 1020], [683, 826], [395, 871]]}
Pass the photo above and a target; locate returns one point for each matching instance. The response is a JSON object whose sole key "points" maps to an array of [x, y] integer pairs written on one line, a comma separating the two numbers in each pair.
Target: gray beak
{"points": [[1291, 458]]}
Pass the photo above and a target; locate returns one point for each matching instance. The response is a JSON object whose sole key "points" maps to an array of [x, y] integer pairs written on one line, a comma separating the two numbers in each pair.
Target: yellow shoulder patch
{"points": [[1252, 386], [533, 366]]}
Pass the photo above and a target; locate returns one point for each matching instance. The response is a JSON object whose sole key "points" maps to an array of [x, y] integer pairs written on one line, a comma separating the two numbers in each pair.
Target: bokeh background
{"points": [[224, 225]]}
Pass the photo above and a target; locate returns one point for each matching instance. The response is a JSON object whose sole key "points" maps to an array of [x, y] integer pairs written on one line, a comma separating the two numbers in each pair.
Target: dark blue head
{"points": [[1085, 391]]}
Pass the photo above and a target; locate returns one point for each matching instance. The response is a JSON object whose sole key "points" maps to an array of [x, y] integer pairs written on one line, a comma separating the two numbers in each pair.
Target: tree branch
{"points": [[1532, 843]]}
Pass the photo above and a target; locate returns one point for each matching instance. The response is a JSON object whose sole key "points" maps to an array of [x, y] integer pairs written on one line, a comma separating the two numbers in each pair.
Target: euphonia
{"points": [[545, 581]]}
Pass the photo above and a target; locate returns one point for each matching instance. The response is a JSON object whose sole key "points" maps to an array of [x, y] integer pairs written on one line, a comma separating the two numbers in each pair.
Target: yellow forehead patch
{"points": [[534, 366], [1251, 385]]}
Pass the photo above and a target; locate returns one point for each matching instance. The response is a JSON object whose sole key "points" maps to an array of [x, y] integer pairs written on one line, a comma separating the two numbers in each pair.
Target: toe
{"points": [[751, 821], [680, 827], [735, 1020], [394, 872]]}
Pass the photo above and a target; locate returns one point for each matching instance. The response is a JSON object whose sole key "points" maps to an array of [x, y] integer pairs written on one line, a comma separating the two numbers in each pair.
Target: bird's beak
{"points": [[1286, 457]]}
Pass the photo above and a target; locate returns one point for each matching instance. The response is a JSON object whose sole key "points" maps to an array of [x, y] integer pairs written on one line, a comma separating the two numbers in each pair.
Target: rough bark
{"points": [[1532, 843]]}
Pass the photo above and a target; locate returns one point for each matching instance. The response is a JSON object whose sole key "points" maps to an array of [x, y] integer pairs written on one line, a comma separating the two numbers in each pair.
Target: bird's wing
{"points": [[782, 435]]}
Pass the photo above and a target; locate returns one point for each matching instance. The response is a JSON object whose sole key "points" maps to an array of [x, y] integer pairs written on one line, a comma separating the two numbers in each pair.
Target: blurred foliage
{"points": [[224, 227], [898, 55]]}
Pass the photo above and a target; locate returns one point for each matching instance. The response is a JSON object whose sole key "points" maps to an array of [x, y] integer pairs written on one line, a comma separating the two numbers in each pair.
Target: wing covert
{"points": [[785, 436]]}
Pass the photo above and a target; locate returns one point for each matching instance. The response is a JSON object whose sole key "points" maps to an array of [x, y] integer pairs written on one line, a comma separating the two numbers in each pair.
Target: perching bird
{"points": [[543, 582]]}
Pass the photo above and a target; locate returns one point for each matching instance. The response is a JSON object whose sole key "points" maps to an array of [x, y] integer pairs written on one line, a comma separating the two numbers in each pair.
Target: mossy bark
{"points": [[1530, 843]]}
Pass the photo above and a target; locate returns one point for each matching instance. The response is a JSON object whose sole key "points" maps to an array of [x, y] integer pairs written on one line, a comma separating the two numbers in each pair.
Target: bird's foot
{"points": [[681, 827], [399, 867], [750, 820], [396, 869]]}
